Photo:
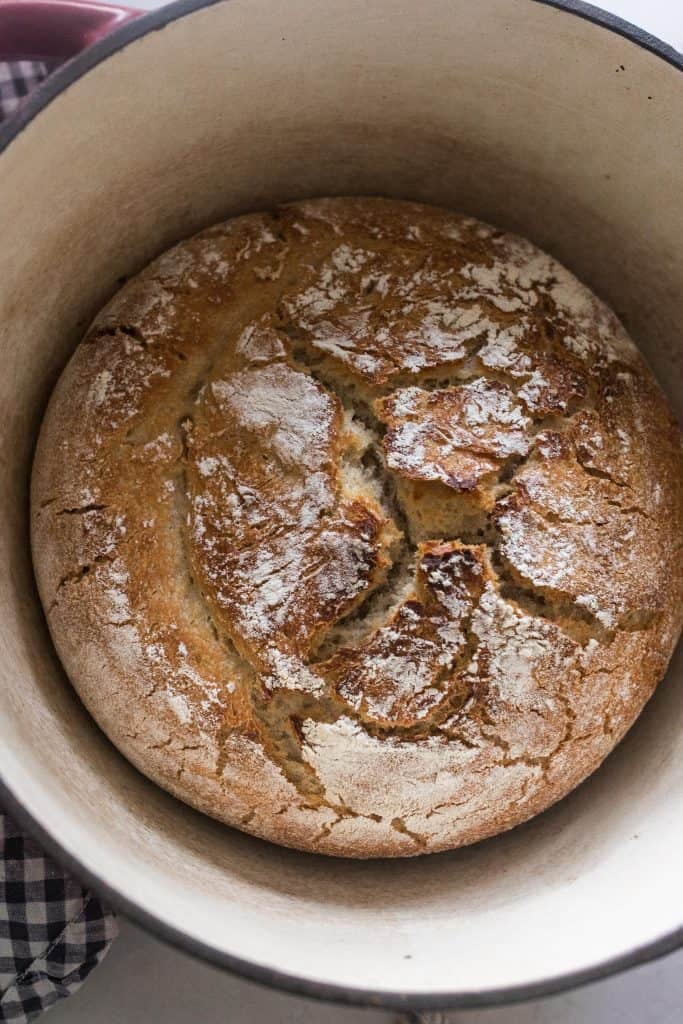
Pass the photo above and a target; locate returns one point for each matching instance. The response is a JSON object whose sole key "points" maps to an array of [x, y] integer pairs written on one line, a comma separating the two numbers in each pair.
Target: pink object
{"points": [[54, 30]]}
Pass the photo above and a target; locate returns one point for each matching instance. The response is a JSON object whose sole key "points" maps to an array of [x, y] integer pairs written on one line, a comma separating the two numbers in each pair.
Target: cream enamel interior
{"points": [[513, 111]]}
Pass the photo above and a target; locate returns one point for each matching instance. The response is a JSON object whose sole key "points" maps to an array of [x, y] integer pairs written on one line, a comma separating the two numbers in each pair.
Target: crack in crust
{"points": [[400, 488]]}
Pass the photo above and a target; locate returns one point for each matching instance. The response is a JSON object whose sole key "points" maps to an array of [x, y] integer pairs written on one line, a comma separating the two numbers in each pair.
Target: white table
{"points": [[143, 981]]}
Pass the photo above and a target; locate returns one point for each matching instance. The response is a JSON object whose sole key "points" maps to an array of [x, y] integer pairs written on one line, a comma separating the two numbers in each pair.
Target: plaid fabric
{"points": [[16, 81], [52, 930]]}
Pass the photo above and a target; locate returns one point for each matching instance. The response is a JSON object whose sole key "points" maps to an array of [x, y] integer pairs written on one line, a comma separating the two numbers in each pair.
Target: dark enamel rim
{"points": [[55, 84]]}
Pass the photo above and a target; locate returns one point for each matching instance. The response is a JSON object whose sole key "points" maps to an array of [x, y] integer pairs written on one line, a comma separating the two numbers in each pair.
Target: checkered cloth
{"points": [[17, 78], [52, 930]]}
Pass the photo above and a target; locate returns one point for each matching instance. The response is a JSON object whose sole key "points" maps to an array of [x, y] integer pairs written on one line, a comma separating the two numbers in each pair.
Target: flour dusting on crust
{"points": [[357, 526]]}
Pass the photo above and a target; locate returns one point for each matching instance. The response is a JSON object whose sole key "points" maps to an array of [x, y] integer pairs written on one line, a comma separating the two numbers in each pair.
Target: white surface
{"points": [[662, 18], [143, 980]]}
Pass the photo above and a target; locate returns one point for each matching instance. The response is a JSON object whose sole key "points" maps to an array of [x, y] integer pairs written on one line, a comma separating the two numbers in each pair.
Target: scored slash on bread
{"points": [[357, 526]]}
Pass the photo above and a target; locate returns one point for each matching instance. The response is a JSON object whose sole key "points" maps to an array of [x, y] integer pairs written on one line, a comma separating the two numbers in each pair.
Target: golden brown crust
{"points": [[459, 435], [357, 526]]}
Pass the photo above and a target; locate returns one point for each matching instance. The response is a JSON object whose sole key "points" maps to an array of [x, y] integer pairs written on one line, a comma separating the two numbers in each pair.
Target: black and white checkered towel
{"points": [[17, 79], [52, 930]]}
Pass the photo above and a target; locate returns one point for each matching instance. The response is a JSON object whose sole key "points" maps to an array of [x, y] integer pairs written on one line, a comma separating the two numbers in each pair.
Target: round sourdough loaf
{"points": [[357, 525]]}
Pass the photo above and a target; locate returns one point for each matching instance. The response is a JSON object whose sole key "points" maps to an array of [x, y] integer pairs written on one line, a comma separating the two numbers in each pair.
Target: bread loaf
{"points": [[357, 525]]}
